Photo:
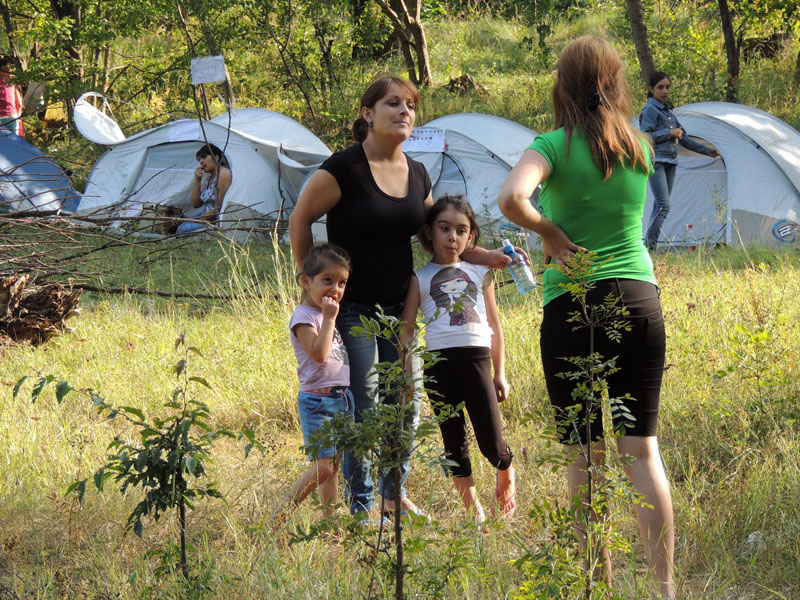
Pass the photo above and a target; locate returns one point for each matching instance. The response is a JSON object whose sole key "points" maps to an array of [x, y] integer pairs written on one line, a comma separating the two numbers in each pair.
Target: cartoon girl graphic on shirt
{"points": [[452, 286], [338, 349]]}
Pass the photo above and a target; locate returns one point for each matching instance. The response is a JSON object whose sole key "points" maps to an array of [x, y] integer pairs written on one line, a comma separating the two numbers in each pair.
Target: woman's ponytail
{"points": [[360, 129]]}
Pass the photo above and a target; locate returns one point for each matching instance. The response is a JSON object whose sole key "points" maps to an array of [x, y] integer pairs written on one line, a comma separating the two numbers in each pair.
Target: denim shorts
{"points": [[315, 409]]}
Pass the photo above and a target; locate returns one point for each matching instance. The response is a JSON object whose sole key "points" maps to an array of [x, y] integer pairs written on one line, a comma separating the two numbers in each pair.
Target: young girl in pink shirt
{"points": [[322, 367]]}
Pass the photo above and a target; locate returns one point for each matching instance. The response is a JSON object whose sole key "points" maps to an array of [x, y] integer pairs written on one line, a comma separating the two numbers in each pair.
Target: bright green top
{"points": [[602, 216]]}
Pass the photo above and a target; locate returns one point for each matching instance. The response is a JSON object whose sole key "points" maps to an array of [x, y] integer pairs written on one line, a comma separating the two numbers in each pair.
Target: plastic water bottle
{"points": [[520, 270]]}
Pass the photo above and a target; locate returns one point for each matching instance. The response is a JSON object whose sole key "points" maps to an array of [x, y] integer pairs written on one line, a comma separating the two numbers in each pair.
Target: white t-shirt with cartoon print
{"points": [[456, 291], [312, 375]]}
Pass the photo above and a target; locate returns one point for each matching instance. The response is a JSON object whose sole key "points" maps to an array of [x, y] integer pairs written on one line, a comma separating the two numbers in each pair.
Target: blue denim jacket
{"points": [[656, 120]]}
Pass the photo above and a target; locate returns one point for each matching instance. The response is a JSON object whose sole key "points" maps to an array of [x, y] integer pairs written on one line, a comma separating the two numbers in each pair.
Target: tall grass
{"points": [[732, 464]]}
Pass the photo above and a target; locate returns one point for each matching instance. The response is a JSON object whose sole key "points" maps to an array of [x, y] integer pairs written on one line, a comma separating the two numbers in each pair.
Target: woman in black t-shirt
{"points": [[375, 199]]}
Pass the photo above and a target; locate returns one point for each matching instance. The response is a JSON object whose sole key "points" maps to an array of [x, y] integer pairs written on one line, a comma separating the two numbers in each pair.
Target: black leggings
{"points": [[640, 357], [465, 375]]}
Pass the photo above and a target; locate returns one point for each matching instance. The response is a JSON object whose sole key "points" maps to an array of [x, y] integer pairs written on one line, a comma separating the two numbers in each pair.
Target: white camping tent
{"points": [[752, 193], [473, 158], [270, 155]]}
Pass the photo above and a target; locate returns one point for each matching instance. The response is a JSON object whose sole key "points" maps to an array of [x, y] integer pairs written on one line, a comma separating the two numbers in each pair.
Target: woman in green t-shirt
{"points": [[593, 170]]}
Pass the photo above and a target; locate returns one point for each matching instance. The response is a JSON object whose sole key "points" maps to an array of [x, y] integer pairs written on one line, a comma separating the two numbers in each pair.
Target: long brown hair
{"points": [[377, 90], [591, 94]]}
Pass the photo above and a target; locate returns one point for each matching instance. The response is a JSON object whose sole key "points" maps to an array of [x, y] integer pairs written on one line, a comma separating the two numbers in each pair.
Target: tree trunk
{"points": [[11, 29], [424, 73], [639, 34], [357, 9], [399, 562], [106, 67], [408, 56], [182, 524], [33, 314], [410, 32], [96, 54], [731, 52], [797, 69], [71, 9]]}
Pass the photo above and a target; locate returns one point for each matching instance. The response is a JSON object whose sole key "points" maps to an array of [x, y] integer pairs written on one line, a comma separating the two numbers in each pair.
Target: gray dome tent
{"points": [[31, 181], [479, 152], [270, 155], [751, 194]]}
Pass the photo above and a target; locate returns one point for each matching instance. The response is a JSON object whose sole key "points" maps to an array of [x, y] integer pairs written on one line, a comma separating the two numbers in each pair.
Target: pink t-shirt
{"points": [[311, 374], [9, 103]]}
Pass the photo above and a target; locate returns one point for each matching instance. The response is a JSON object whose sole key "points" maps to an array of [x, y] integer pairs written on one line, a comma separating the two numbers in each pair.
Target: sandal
{"points": [[374, 522]]}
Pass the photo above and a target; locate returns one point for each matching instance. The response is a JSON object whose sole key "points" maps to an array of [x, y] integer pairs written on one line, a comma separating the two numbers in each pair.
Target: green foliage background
{"points": [[311, 59]]}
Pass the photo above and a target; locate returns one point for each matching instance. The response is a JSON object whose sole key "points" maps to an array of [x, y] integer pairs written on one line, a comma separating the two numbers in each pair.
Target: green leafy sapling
{"points": [[388, 433], [168, 461], [551, 568]]}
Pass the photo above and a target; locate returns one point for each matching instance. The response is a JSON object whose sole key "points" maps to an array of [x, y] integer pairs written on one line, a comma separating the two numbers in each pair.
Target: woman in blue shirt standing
{"points": [[658, 120]]}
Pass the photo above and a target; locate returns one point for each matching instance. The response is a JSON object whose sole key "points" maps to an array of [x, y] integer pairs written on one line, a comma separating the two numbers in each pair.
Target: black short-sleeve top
{"points": [[375, 228]]}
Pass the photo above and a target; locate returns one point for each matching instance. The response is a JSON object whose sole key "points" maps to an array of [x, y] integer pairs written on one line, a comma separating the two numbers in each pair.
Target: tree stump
{"points": [[33, 314], [465, 84]]}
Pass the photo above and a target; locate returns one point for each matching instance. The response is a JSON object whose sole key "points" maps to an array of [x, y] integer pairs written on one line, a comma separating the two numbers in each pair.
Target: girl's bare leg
{"points": [[328, 487], [318, 474], [656, 524]]}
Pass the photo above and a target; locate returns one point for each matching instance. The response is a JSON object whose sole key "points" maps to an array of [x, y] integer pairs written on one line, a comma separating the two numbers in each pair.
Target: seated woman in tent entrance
{"points": [[211, 181]]}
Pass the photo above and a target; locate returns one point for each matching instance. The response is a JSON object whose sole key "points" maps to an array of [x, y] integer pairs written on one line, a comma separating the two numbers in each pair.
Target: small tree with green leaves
{"points": [[168, 462], [554, 569]]}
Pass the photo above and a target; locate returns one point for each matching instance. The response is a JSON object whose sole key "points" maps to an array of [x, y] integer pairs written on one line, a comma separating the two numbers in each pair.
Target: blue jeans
{"points": [[314, 409], [363, 354], [661, 182], [10, 123], [195, 213]]}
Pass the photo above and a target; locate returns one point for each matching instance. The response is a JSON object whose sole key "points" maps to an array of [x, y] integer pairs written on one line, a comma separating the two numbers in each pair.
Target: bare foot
{"points": [[479, 518], [667, 591], [505, 494]]}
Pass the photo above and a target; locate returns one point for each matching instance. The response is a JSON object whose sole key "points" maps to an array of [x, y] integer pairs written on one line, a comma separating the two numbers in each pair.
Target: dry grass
{"points": [[732, 465]]}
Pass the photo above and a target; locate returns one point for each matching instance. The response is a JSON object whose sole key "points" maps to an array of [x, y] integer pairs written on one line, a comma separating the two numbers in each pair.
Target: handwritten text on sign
{"points": [[208, 69]]}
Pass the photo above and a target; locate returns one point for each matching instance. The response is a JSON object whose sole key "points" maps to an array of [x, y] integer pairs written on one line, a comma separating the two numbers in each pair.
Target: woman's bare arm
{"points": [[513, 199], [319, 196]]}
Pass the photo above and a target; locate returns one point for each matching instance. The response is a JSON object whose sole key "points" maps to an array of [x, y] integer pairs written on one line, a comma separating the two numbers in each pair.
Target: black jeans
{"points": [[640, 356]]}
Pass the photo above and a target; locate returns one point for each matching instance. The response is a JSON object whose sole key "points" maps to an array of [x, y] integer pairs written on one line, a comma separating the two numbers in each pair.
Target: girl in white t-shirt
{"points": [[322, 366], [463, 326]]}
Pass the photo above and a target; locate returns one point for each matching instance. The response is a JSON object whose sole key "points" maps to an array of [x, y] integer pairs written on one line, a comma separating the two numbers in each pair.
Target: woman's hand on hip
{"points": [[557, 246]]}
